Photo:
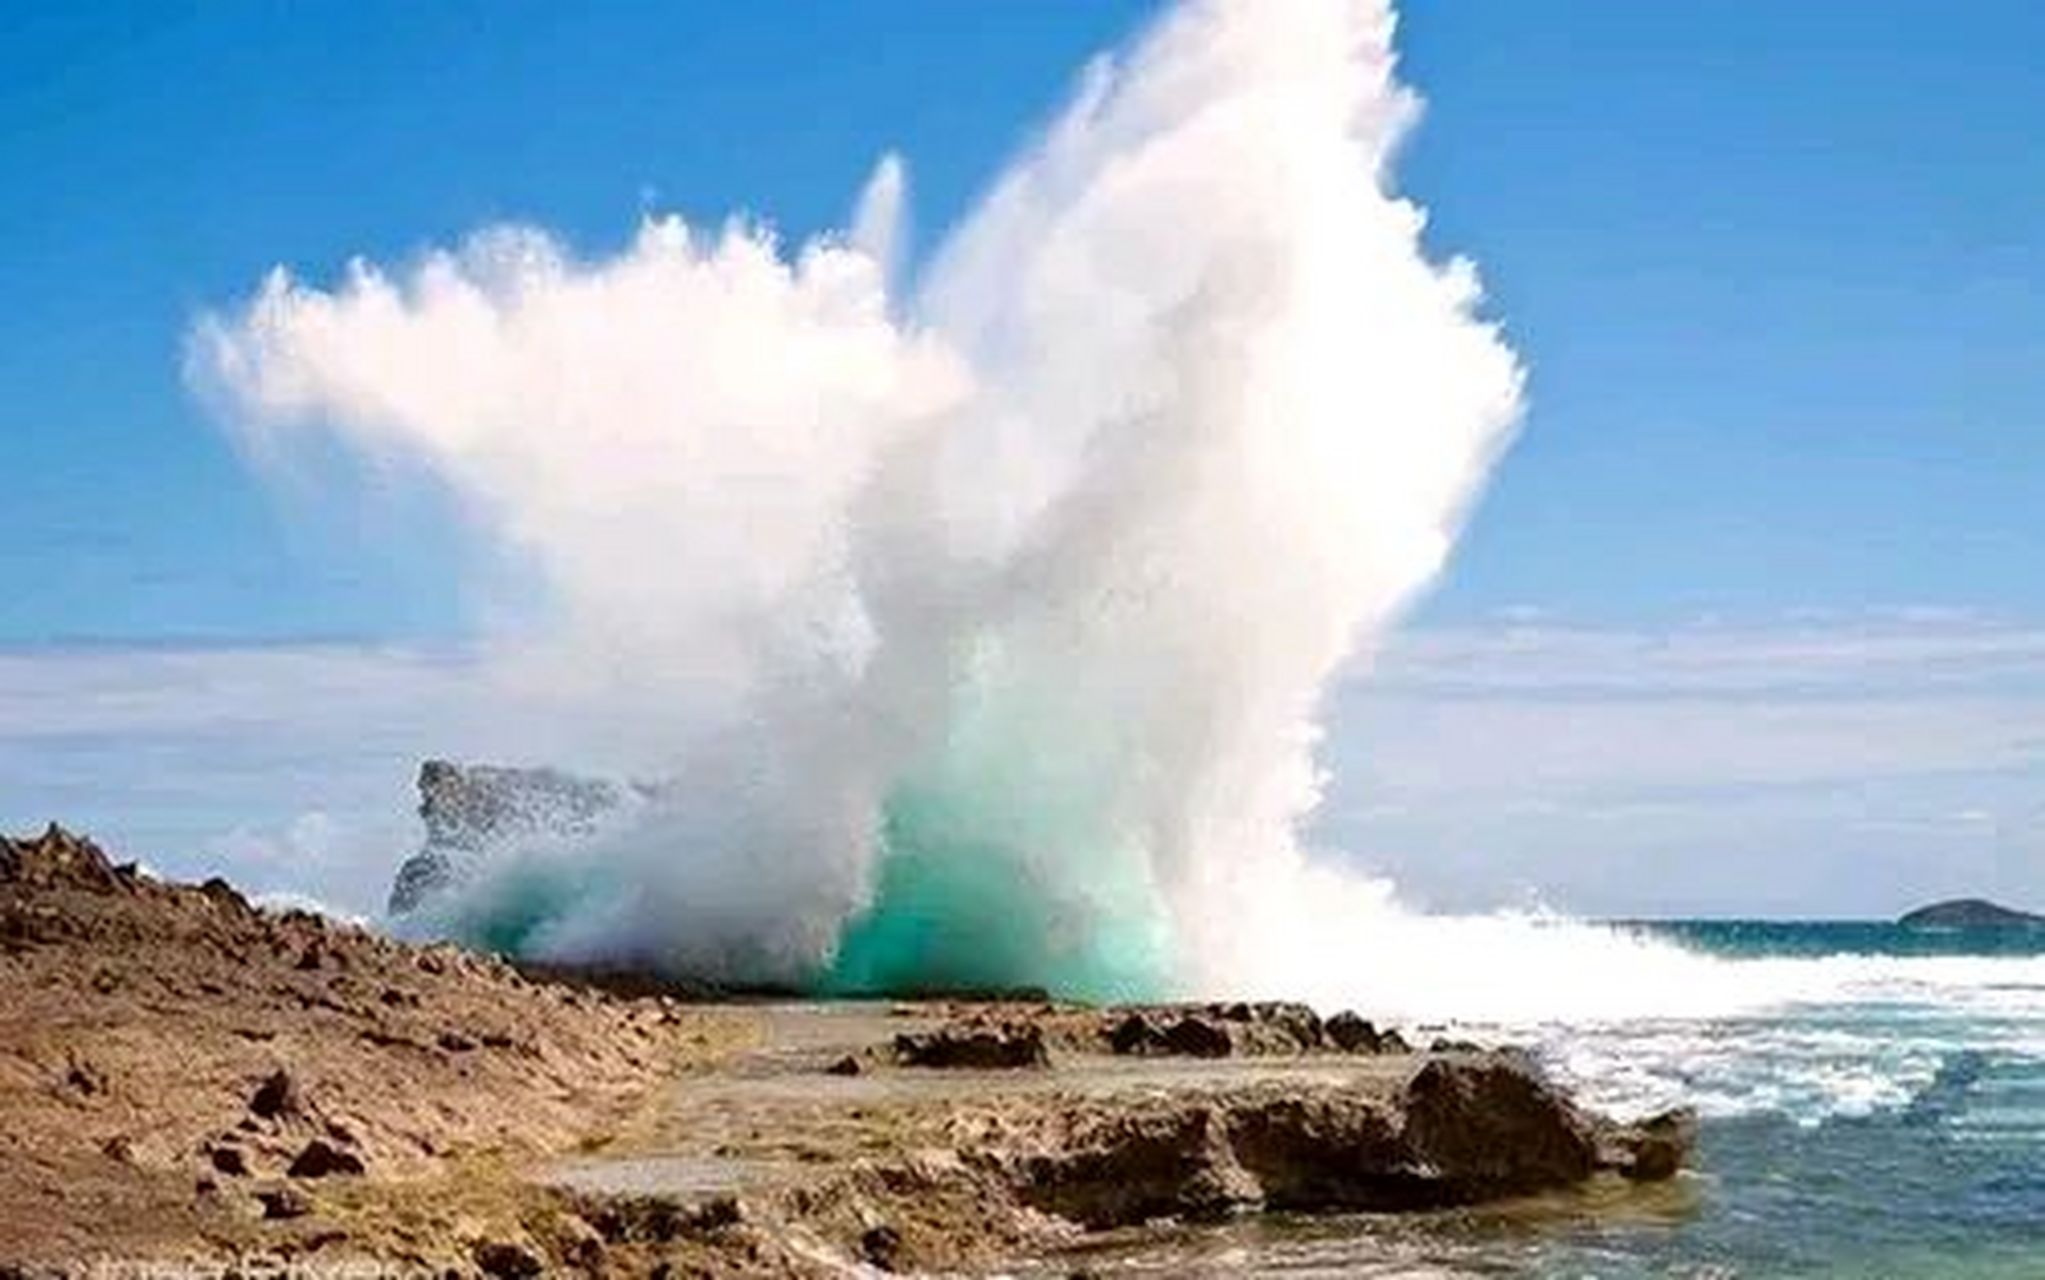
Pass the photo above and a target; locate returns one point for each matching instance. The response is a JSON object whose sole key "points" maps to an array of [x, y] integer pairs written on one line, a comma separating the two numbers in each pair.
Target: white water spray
{"points": [[984, 623]]}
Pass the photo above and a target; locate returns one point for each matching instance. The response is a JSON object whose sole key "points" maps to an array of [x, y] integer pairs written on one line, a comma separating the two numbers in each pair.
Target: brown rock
{"points": [[1322, 1149], [322, 1159], [578, 1243], [984, 1045], [1108, 1165], [1655, 1149], [881, 1246], [1492, 1127], [507, 1260], [1352, 1034], [1289, 1019], [277, 1096], [1133, 1034], [1242, 1028], [83, 1078], [58, 858], [1196, 1037], [845, 1066], [718, 1212], [283, 1202], [1458, 1132], [225, 894]]}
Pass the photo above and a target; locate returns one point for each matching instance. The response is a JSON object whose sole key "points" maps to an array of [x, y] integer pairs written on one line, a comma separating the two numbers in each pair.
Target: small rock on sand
{"points": [[507, 1260], [321, 1159], [283, 1202], [986, 1045], [276, 1096]]}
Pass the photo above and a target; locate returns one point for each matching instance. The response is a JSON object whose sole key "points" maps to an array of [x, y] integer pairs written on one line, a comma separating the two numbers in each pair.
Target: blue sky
{"points": [[1779, 272]]}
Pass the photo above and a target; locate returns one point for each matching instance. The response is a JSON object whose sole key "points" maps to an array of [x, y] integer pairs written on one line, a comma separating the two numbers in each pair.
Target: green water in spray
{"points": [[1005, 858], [954, 910], [513, 910], [1001, 860]]}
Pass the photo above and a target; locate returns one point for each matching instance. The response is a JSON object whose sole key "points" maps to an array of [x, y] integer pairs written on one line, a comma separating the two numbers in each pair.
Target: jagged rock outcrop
{"points": [[468, 809], [1238, 1029], [986, 1045], [57, 857], [177, 1064], [1214, 1030], [1458, 1130]]}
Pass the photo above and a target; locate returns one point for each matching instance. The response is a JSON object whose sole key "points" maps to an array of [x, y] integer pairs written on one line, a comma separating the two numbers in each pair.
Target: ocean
{"points": [[1876, 1110]]}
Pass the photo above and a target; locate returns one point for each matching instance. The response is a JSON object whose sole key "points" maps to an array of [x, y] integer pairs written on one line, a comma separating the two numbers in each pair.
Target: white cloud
{"points": [[1823, 765], [286, 768], [1815, 764], [1892, 652]]}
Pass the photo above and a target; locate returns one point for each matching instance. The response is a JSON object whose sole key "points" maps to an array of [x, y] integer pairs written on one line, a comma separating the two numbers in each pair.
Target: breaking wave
{"points": [[980, 620]]}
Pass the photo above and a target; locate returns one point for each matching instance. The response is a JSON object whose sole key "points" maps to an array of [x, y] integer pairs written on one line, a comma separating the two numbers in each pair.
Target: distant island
{"points": [[1970, 913]]}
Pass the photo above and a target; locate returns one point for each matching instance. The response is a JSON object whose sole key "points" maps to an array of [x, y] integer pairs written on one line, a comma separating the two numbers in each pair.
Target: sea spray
{"points": [[976, 624]]}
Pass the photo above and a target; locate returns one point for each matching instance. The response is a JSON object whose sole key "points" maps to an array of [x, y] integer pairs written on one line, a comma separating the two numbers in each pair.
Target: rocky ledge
{"points": [[932, 1137], [185, 1074], [185, 1077], [1451, 1131]]}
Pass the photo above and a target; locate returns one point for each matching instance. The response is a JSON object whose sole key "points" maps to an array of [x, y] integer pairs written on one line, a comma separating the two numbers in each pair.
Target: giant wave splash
{"points": [[983, 618]]}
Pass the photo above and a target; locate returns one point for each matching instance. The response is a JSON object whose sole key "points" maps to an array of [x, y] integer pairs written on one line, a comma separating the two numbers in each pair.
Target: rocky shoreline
{"points": [[187, 1078]]}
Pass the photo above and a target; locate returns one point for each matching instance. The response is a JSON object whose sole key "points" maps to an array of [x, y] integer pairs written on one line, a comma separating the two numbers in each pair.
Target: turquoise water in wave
{"points": [[1884, 1118]]}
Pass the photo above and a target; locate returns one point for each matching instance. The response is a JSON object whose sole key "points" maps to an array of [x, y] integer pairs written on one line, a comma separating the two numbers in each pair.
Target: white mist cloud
{"points": [[1040, 564]]}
